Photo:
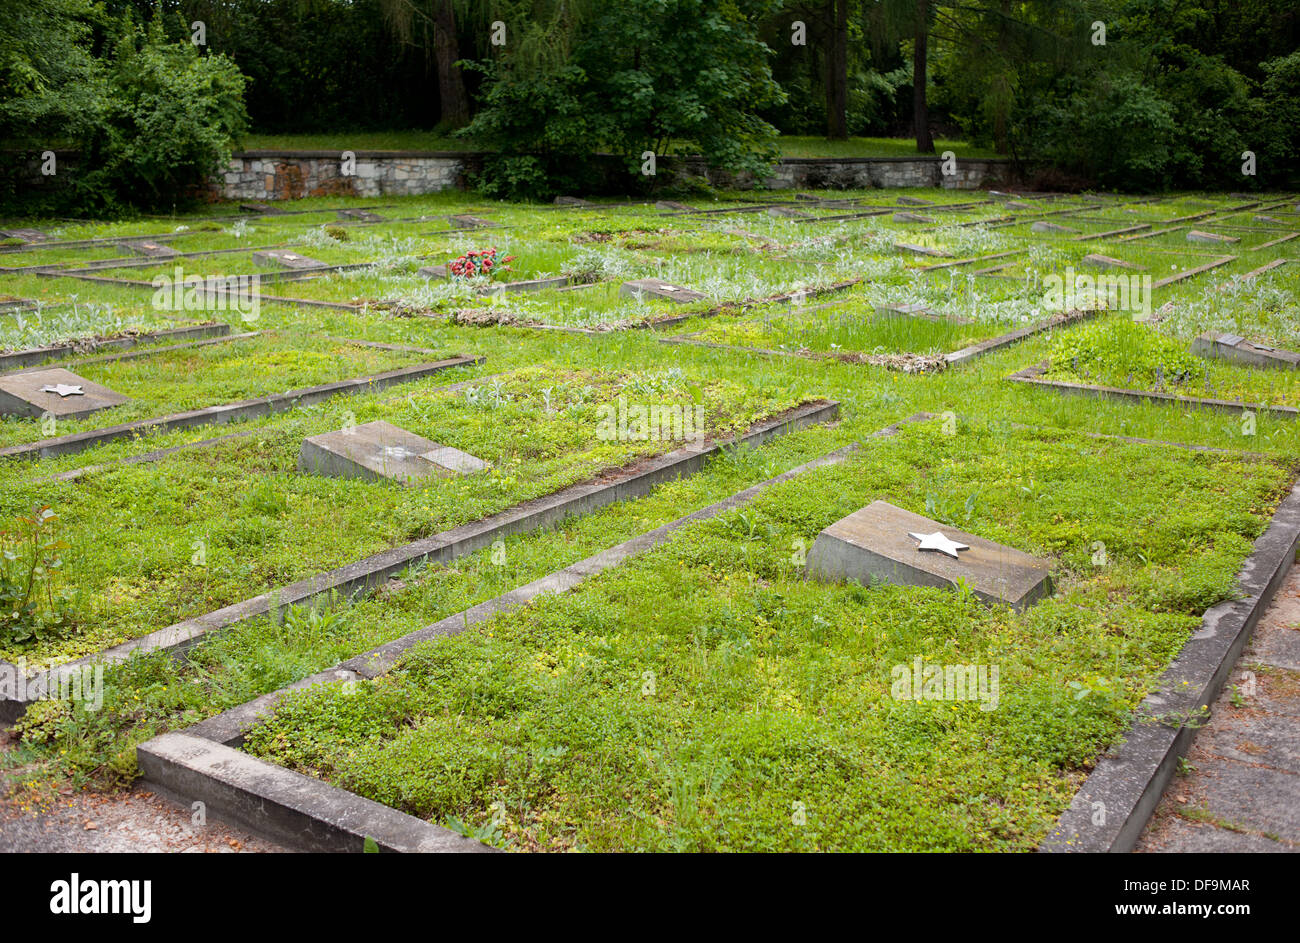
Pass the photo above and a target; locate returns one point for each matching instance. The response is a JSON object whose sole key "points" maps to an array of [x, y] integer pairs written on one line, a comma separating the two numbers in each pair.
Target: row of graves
{"points": [[777, 524]]}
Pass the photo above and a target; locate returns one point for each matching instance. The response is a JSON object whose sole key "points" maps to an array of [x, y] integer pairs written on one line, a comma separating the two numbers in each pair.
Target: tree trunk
{"points": [[453, 103], [920, 110], [837, 83]]}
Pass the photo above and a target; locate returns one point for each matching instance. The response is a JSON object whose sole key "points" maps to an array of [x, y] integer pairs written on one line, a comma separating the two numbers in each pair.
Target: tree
{"points": [[435, 30]]}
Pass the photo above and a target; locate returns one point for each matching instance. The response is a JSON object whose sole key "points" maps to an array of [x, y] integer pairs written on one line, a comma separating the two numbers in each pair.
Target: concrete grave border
{"points": [[230, 412], [1129, 781], [375, 569], [34, 355], [1033, 375], [203, 763]]}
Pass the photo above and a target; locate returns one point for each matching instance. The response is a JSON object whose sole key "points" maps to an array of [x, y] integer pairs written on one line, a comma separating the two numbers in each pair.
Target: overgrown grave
{"points": [[638, 661], [500, 498]]}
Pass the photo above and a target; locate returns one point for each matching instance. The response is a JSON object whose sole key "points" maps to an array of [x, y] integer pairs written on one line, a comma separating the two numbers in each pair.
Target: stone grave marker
{"points": [[911, 218], [533, 284], [914, 201], [56, 391], [658, 288], [364, 216], [1236, 348], [285, 258], [572, 201], [1196, 235], [264, 208], [884, 542], [152, 250], [432, 271], [787, 212], [674, 206], [26, 235], [922, 250], [1044, 226], [1105, 261], [376, 450], [1017, 205], [465, 221]]}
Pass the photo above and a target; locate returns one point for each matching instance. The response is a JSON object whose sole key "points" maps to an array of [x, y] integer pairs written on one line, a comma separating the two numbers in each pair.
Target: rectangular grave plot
{"points": [[1237, 349], [658, 288]]}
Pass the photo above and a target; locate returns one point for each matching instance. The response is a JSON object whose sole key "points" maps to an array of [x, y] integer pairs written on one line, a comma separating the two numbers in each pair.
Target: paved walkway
{"points": [[1244, 791]]}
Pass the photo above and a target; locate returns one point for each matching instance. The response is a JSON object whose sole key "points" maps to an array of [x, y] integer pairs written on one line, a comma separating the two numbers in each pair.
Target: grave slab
{"points": [[658, 288], [572, 201], [471, 222], [533, 284], [1236, 348], [674, 206], [876, 543], [432, 271], [787, 212], [152, 250], [1196, 235], [26, 235], [1044, 226], [379, 449], [69, 396], [1105, 261], [264, 208], [911, 218], [914, 201], [286, 259], [921, 250], [364, 216]]}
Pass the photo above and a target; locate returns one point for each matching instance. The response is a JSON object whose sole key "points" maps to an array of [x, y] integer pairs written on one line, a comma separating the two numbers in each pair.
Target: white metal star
{"points": [[937, 541], [64, 389]]}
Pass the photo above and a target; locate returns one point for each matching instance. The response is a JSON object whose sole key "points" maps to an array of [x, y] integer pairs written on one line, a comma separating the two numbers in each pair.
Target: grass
{"points": [[772, 690]]}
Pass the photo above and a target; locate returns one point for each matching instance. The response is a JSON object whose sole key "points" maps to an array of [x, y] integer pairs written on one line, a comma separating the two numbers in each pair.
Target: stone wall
{"points": [[272, 175]]}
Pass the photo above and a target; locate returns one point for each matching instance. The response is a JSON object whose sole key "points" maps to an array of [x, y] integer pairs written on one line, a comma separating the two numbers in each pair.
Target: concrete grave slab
{"points": [[787, 212], [1196, 235], [572, 201], [466, 221], [379, 449], [1044, 226], [364, 216], [658, 288], [26, 235], [674, 207], [875, 543], [912, 218], [922, 250], [914, 201], [532, 284], [432, 271], [264, 208], [1105, 261], [1236, 348], [69, 396], [152, 250], [286, 258]]}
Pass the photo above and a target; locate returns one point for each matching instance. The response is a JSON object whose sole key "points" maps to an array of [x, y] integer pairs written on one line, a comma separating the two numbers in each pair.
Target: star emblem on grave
{"points": [[938, 541], [64, 389]]}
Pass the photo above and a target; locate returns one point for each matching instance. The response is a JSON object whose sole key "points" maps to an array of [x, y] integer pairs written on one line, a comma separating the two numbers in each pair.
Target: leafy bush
{"points": [[32, 604]]}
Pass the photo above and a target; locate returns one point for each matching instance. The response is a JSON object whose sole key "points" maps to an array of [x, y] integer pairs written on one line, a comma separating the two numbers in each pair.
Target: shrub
{"points": [[32, 603], [1120, 348]]}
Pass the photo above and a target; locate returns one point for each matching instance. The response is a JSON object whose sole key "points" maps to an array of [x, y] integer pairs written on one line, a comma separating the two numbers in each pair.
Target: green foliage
{"points": [[33, 604], [687, 73], [1119, 347]]}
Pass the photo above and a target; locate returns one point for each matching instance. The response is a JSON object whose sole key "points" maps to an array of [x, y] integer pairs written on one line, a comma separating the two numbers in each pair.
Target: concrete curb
{"points": [[231, 412], [1032, 375], [23, 358], [1117, 800], [202, 762], [374, 570]]}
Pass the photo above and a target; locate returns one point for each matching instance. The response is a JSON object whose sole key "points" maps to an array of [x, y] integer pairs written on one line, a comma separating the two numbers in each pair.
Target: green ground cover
{"points": [[771, 692], [736, 675]]}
